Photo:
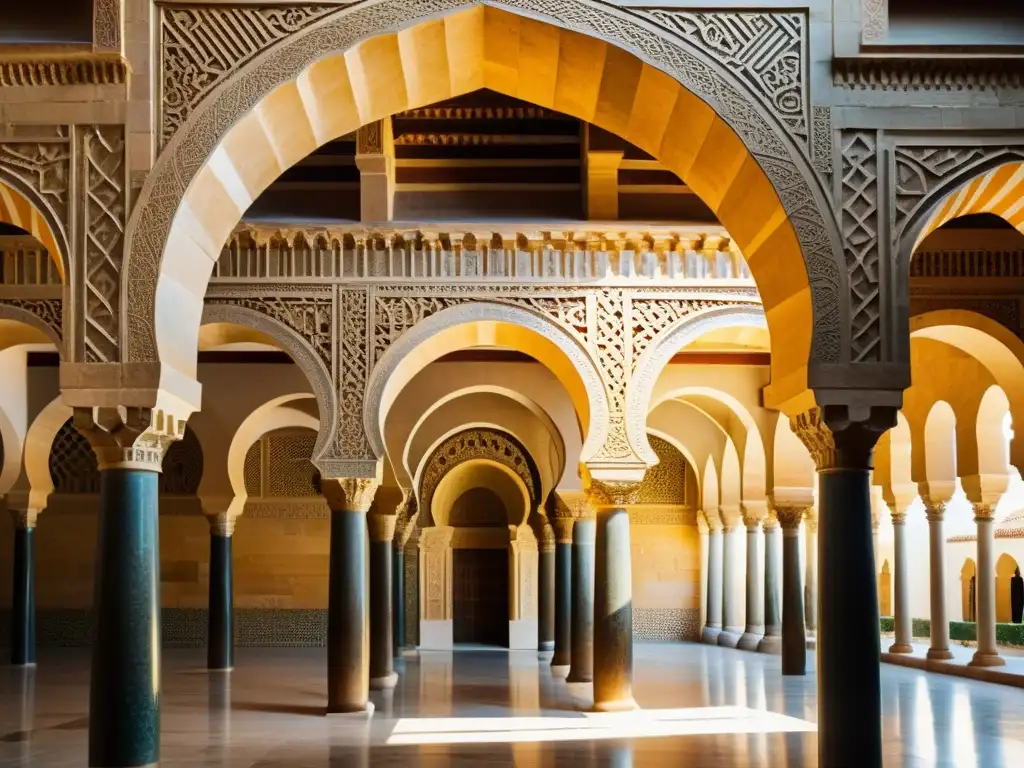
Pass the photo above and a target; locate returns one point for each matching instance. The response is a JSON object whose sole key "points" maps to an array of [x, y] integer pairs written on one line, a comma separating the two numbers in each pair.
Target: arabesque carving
{"points": [[861, 240], [129, 438], [43, 165], [106, 25]]}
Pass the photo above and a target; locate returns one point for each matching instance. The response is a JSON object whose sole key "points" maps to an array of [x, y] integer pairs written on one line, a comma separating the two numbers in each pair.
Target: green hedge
{"points": [[1006, 634]]}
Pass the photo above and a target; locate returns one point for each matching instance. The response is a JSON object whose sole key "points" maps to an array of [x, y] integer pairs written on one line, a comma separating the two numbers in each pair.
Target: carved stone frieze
{"points": [[860, 221], [42, 70], [201, 45], [761, 103], [106, 25], [928, 73], [821, 132]]}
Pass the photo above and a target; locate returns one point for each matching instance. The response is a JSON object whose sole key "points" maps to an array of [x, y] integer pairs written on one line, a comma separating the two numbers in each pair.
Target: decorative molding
{"points": [[44, 314], [104, 206], [287, 509], [40, 70], [766, 49], [370, 138], [767, 136], [202, 45], [349, 494], [859, 188], [821, 134], [928, 73], [106, 25], [874, 21]]}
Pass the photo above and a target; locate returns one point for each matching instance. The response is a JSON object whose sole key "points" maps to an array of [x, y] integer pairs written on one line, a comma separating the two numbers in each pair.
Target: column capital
{"points": [[222, 524], [898, 518], [349, 494], [128, 437], [770, 522], [790, 517], [934, 511], [754, 511], [612, 493], [573, 504], [842, 436], [984, 513], [381, 527], [713, 520], [563, 529], [730, 515]]}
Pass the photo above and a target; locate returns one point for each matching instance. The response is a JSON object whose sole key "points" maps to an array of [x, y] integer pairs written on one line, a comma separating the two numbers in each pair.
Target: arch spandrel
{"points": [[755, 173]]}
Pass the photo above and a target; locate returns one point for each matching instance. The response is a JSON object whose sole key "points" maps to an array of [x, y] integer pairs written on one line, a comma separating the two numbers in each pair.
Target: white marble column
{"points": [[732, 610], [937, 568], [754, 630], [713, 627], [811, 578], [772, 640], [987, 654], [901, 584]]}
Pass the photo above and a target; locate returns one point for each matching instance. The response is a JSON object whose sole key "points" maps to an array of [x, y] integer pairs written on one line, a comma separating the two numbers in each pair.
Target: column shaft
{"points": [[581, 661], [987, 654], [794, 635], [382, 668], [714, 606], [347, 639], [124, 695], [220, 644], [901, 587], [772, 640], [937, 566], [563, 604], [546, 600], [811, 578], [397, 600], [613, 613], [23, 598], [754, 629], [849, 685], [731, 609]]}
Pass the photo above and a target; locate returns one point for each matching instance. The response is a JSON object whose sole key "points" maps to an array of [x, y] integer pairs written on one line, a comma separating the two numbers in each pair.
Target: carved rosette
{"points": [[350, 494], [126, 437]]}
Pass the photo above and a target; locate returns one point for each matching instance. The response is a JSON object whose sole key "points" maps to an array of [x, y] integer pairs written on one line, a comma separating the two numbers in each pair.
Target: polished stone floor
{"points": [[703, 706]]}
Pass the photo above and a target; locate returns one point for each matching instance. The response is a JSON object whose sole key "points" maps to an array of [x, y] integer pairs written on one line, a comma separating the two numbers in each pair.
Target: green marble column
{"points": [[397, 599], [581, 660], [794, 631], [124, 696], [563, 596], [220, 639], [546, 597], [382, 665], [23, 593]]}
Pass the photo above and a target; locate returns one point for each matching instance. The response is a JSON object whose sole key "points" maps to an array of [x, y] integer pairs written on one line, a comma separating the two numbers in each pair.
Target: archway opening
{"points": [[1009, 595]]}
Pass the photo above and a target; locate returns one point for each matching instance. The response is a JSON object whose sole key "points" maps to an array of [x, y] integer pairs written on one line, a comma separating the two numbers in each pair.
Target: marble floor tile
{"points": [[702, 706]]}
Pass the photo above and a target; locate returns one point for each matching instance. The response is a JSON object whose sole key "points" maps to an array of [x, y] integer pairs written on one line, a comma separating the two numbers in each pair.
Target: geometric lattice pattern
{"points": [[860, 233], [666, 624], [73, 467], [182, 468], [278, 465], [665, 482]]}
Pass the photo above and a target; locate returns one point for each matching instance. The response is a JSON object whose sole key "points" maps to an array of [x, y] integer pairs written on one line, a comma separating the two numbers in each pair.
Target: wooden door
{"points": [[480, 596]]}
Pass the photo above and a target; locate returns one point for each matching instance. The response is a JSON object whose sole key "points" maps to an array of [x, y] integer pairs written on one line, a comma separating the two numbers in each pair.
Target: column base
{"points": [[560, 670], [771, 644], [355, 714], [710, 635], [548, 646], [23, 664], [383, 683], [750, 640], [901, 648], [618, 705], [939, 654], [986, 659], [215, 670], [730, 638], [577, 678], [812, 642]]}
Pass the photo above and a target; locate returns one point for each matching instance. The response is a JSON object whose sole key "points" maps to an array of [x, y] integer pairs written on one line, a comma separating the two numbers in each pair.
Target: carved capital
{"points": [[349, 494], [126, 437], [984, 513], [573, 504], [842, 437], [563, 529], [770, 522], [222, 524], [381, 527], [790, 517], [899, 518], [934, 511], [612, 493], [713, 520]]}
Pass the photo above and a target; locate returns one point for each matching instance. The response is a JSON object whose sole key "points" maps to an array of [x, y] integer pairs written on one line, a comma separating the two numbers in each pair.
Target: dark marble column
{"points": [[397, 599], [124, 696], [220, 641], [772, 640], [23, 594], [581, 661], [546, 592], [613, 609], [382, 665], [794, 632], [348, 661], [842, 441], [563, 595]]}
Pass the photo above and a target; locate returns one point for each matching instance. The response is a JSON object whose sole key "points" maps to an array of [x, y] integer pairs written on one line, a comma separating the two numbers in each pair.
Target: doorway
{"points": [[480, 596]]}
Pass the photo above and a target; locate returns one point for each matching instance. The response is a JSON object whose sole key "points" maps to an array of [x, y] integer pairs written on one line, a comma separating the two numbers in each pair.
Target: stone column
{"points": [[794, 636], [220, 636], [581, 635], [348, 663], [397, 599], [772, 640], [901, 584], [23, 594], [613, 598], [546, 590], [811, 576], [713, 628], [124, 694], [754, 630], [563, 596], [732, 611], [842, 439], [987, 654], [935, 513], [382, 665]]}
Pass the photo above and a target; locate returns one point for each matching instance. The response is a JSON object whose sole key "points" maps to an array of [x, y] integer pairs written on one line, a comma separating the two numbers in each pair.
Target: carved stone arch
{"points": [[184, 189], [51, 228], [300, 351], [469, 445], [41, 314], [654, 359], [384, 383]]}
